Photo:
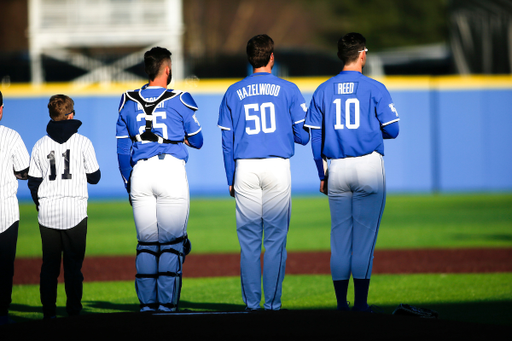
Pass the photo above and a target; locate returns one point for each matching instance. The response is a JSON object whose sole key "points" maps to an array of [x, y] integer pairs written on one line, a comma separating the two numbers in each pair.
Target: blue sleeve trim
{"points": [[393, 121], [312, 127], [195, 132]]}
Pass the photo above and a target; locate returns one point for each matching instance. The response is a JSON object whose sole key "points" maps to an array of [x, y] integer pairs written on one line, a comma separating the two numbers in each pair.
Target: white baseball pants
{"points": [[263, 208], [357, 195], [160, 199]]}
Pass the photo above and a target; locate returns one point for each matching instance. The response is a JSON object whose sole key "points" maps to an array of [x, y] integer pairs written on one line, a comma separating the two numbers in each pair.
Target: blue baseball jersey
{"points": [[352, 110], [173, 119], [261, 110]]}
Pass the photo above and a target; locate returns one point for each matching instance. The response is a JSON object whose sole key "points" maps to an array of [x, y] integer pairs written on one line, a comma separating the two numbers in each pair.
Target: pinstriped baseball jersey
{"points": [[63, 167], [13, 157]]}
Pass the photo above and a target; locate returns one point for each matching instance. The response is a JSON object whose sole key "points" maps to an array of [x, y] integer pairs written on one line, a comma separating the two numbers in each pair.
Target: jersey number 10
{"points": [[348, 103], [53, 169]]}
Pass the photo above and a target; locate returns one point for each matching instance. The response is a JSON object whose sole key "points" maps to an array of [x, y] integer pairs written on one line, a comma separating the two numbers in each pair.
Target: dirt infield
{"points": [[283, 325], [215, 265]]}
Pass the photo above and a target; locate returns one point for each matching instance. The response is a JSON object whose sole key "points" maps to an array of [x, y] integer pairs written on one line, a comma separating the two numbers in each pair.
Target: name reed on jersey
{"points": [[345, 88]]}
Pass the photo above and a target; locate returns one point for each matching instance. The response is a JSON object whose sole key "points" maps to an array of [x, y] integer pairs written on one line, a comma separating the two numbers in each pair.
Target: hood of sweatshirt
{"points": [[61, 131]]}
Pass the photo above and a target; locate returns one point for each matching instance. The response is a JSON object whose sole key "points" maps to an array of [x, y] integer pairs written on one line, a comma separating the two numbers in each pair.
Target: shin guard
{"points": [[170, 275], [147, 274]]}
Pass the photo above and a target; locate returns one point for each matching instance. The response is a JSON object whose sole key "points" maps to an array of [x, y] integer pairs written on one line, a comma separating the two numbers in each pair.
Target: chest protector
{"points": [[149, 109]]}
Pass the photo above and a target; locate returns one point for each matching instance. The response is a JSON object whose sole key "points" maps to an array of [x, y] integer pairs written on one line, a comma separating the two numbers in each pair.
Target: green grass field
{"points": [[446, 221], [443, 221]]}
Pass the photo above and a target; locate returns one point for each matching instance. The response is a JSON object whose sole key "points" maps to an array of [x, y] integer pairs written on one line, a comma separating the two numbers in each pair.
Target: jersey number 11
{"points": [[53, 169]]}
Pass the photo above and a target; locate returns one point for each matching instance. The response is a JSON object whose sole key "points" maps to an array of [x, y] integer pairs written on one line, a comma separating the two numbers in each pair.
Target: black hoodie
{"points": [[61, 131]]}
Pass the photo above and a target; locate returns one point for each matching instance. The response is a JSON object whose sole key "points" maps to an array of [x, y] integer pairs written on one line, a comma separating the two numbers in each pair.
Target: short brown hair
{"points": [[259, 49], [349, 45], [153, 60], [60, 106]]}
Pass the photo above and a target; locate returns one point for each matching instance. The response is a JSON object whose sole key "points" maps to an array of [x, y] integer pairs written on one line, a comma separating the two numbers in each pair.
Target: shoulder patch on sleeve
{"points": [[188, 101]]}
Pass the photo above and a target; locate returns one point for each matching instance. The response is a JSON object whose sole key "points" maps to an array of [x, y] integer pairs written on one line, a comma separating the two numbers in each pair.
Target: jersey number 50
{"points": [[266, 126], [348, 103]]}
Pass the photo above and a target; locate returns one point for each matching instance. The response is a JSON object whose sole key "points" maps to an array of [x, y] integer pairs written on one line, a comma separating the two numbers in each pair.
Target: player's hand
{"points": [[323, 186], [128, 186], [185, 140], [232, 191]]}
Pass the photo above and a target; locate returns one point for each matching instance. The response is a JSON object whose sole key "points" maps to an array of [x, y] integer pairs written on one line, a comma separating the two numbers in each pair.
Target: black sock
{"points": [[361, 287], [340, 288]]}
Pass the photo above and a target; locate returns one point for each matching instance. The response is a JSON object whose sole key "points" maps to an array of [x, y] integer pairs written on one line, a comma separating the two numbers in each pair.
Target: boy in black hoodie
{"points": [[61, 165]]}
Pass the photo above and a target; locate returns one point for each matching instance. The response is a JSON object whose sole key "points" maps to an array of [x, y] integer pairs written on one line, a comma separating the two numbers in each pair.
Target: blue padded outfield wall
{"points": [[455, 134]]}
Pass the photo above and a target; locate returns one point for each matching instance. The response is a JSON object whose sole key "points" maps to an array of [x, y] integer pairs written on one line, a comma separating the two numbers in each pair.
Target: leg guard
{"points": [[187, 247], [170, 274], [147, 274]]}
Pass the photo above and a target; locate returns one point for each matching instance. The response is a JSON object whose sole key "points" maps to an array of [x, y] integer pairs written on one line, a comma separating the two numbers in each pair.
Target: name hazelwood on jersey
{"points": [[63, 167], [351, 109], [13, 157], [261, 110]]}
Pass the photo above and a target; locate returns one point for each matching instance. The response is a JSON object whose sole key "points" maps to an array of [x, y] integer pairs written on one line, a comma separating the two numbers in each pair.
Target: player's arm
{"points": [[35, 176], [124, 159], [193, 135], [33, 185], [300, 133], [298, 110], [94, 178], [194, 141], [229, 161], [387, 114], [124, 145], [390, 131], [225, 123], [21, 175], [92, 169], [21, 160], [314, 121], [316, 147]]}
